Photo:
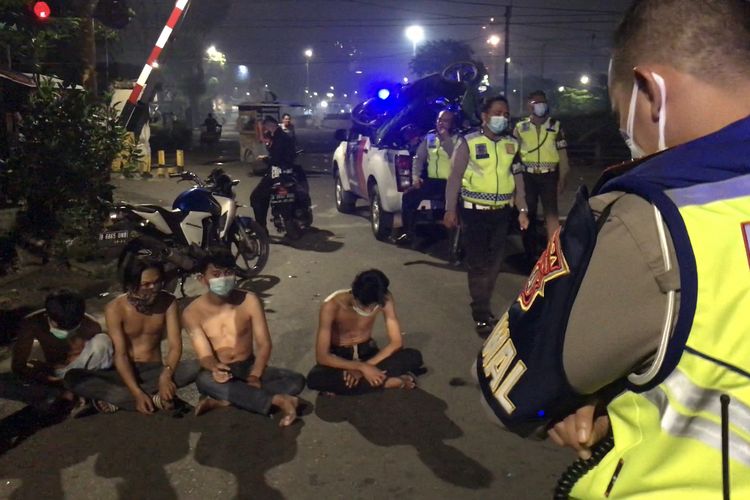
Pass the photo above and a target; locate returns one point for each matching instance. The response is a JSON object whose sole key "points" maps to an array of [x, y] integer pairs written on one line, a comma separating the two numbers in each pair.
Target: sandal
{"points": [[104, 407]]}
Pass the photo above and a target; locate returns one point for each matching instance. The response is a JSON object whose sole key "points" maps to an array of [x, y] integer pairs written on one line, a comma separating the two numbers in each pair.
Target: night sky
{"points": [[571, 37]]}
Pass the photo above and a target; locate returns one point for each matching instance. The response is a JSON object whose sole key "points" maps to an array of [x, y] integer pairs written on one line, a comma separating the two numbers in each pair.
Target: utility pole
{"points": [[507, 49]]}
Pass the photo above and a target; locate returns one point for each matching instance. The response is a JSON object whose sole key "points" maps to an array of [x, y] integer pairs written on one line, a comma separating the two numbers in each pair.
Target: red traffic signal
{"points": [[42, 10]]}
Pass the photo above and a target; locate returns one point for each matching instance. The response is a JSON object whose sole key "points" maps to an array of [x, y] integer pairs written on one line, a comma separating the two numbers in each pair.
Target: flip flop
{"points": [[104, 407]]}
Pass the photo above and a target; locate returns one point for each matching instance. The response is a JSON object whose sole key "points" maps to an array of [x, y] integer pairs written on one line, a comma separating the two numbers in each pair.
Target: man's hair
{"points": [[285, 115], [131, 275], [537, 93], [219, 257], [370, 287], [709, 39], [65, 307], [268, 120], [487, 103]]}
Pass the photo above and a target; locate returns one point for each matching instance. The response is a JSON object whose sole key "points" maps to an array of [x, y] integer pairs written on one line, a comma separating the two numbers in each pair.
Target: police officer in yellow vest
{"points": [[544, 163], [435, 150], [482, 170], [630, 342]]}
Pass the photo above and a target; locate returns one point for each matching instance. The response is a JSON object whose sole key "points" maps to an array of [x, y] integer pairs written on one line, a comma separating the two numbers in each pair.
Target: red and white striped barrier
{"points": [[152, 60]]}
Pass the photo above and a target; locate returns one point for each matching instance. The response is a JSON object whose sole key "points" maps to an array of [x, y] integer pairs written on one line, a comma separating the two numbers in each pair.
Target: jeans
{"points": [[484, 235], [240, 394], [106, 385], [326, 379]]}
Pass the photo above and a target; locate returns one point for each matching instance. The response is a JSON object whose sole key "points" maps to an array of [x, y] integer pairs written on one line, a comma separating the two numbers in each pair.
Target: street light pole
{"points": [[507, 49], [308, 55]]}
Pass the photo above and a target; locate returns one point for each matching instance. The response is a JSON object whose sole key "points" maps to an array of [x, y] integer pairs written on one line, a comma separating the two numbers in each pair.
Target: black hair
{"points": [[219, 257], [270, 119], [285, 115], [487, 103], [537, 93], [131, 275], [709, 39], [370, 287], [65, 307]]}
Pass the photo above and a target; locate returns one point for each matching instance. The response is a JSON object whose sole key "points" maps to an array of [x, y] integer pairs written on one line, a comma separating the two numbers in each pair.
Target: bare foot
{"points": [[207, 404], [402, 382], [288, 406]]}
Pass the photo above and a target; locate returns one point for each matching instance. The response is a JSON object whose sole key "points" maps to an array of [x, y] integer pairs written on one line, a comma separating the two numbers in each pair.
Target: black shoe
{"points": [[484, 327]]}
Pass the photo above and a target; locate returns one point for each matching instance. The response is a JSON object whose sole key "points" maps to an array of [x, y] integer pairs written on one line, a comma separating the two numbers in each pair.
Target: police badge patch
{"points": [[510, 148], [480, 151], [431, 141]]}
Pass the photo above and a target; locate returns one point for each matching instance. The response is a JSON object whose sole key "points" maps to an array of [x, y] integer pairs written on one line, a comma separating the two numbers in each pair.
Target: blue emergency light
{"points": [[383, 94]]}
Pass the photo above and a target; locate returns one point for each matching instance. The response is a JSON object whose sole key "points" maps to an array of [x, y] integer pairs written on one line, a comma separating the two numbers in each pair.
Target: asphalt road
{"points": [[433, 442]]}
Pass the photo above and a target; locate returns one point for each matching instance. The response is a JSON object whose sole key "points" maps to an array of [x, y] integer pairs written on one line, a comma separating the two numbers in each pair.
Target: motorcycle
{"points": [[291, 207], [203, 217]]}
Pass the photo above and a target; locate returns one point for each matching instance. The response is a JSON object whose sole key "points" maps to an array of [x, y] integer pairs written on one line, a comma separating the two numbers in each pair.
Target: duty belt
{"points": [[540, 169], [476, 206]]}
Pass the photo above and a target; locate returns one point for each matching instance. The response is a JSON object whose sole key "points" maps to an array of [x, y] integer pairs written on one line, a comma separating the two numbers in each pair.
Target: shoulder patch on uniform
{"points": [[746, 236], [550, 266]]}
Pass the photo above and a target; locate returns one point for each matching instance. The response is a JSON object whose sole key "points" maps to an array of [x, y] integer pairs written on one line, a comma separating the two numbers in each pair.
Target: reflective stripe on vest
{"points": [[539, 145], [438, 161], [488, 179], [669, 438]]}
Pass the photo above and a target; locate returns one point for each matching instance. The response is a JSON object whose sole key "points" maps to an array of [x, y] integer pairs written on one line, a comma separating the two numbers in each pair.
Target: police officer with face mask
{"points": [[482, 170], [544, 166], [630, 341]]}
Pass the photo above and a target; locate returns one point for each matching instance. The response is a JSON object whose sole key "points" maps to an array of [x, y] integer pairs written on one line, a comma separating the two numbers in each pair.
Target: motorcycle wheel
{"points": [[249, 246]]}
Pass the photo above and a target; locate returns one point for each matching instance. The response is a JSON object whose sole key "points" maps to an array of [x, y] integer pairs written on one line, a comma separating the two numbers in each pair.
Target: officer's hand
{"points": [[523, 220], [581, 430], [450, 220]]}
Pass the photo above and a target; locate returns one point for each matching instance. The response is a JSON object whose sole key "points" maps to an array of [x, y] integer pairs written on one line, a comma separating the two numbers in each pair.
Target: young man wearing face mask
{"points": [[349, 360], [435, 151], [137, 321], [230, 335], [544, 166], [655, 350], [482, 170], [68, 338]]}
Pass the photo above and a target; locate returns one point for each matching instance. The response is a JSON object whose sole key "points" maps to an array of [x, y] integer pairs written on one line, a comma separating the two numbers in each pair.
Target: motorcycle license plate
{"points": [[282, 198], [431, 205], [114, 237]]}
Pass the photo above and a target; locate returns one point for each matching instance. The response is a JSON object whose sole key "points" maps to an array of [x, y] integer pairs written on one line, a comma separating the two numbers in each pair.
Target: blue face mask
{"points": [[222, 286], [498, 124]]}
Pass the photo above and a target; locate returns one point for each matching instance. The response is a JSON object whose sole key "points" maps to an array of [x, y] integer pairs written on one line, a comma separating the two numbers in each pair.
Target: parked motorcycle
{"points": [[291, 207], [202, 217]]}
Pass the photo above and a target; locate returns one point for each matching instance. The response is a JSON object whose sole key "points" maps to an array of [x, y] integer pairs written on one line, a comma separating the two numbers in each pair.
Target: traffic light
{"points": [[41, 10]]}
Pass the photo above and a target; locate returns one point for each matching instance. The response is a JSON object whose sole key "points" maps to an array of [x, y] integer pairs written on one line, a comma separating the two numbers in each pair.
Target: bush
{"points": [[62, 167]]}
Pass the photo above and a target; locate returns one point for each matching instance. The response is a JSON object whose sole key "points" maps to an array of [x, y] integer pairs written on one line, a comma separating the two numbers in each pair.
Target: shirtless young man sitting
{"points": [[68, 339], [230, 336], [137, 321], [345, 350]]}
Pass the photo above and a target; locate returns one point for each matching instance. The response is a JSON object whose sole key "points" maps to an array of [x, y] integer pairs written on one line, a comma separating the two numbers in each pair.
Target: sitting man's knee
{"points": [[204, 379], [101, 343], [413, 357], [297, 383]]}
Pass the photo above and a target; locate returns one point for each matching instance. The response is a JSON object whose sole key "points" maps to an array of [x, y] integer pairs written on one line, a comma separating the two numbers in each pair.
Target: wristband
{"points": [[523, 210]]}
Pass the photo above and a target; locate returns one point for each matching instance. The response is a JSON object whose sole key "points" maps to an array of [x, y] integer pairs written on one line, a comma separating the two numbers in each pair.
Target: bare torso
{"points": [[144, 332], [59, 352], [349, 328], [228, 326]]}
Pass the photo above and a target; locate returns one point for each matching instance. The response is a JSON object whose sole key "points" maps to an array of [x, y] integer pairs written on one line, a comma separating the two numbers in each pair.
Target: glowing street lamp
{"points": [[585, 79], [415, 34], [308, 55], [493, 40]]}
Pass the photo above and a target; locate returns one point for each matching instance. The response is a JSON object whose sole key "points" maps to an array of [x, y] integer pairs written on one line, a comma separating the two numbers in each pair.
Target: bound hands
{"points": [[581, 430], [143, 403], [221, 373]]}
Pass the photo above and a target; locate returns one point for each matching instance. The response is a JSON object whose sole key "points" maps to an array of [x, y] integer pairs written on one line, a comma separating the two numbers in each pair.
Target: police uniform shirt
{"points": [[459, 163], [544, 128], [421, 156]]}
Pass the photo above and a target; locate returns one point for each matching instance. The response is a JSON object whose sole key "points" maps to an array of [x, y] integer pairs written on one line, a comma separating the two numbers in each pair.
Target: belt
{"points": [[540, 170], [474, 206]]}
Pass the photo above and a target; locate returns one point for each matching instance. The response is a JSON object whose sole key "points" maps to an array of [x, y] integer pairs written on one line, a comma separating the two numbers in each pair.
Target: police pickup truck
{"points": [[373, 160]]}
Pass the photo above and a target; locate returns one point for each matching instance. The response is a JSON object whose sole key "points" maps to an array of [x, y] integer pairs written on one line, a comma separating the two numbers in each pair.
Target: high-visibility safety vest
{"points": [[539, 145], [438, 161], [488, 179], [668, 434]]}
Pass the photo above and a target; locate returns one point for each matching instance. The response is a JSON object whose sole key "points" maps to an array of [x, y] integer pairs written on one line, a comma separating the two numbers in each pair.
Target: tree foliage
{"points": [[434, 56], [62, 166]]}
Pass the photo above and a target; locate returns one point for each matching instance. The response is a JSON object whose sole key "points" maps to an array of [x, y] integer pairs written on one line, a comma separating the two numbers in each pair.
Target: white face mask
{"points": [[635, 150], [540, 109], [498, 124]]}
